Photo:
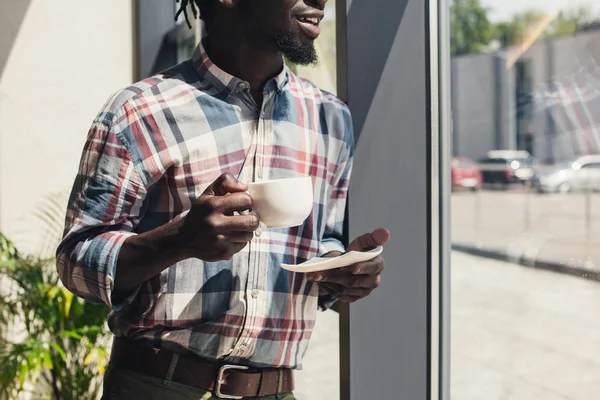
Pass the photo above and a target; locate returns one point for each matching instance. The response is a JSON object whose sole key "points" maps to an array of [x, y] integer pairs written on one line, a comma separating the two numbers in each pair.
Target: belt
{"points": [[225, 380]]}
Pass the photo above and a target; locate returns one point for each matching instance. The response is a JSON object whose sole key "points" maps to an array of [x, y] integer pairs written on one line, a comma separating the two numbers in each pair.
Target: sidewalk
{"points": [[517, 334], [556, 232], [522, 334]]}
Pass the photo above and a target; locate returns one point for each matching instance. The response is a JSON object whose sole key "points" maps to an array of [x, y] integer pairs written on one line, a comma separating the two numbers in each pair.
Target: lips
{"points": [[311, 20], [309, 24]]}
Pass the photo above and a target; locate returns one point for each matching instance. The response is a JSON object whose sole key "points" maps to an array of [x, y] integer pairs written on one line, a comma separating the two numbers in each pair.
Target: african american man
{"points": [[155, 226]]}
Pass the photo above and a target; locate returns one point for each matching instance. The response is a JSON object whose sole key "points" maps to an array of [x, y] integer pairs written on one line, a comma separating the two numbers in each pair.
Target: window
{"points": [[526, 260]]}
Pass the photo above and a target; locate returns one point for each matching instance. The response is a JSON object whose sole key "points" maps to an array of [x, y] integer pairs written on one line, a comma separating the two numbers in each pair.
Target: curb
{"points": [[567, 267]]}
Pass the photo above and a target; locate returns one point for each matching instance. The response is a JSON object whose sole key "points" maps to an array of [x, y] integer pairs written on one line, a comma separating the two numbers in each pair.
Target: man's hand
{"points": [[210, 231], [213, 230], [357, 281]]}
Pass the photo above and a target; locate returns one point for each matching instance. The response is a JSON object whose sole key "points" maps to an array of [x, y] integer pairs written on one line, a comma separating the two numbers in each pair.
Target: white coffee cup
{"points": [[282, 203]]}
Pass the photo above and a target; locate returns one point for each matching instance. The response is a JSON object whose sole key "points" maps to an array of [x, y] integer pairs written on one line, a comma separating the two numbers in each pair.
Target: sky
{"points": [[503, 9]]}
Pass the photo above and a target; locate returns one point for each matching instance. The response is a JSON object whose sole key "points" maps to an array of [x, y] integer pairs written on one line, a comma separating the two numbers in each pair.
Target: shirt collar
{"points": [[224, 81]]}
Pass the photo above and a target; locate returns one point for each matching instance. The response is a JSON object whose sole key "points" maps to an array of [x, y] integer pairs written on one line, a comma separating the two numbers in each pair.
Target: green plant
{"points": [[58, 345]]}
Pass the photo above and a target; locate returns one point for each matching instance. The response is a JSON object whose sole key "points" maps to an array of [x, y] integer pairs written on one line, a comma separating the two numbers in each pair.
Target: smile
{"points": [[309, 24], [310, 20]]}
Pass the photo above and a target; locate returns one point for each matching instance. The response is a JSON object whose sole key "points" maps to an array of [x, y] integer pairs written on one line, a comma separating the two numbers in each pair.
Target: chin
{"points": [[298, 49]]}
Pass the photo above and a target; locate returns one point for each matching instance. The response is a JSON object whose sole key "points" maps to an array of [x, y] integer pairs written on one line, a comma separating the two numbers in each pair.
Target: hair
{"points": [[203, 9]]}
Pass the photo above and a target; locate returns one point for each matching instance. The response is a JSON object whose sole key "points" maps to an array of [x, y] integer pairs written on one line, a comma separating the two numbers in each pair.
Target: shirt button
{"points": [[258, 232], [255, 293], [260, 174], [243, 86]]}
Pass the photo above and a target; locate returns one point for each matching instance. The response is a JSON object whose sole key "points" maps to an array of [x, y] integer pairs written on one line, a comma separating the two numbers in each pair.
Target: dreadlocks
{"points": [[200, 8]]}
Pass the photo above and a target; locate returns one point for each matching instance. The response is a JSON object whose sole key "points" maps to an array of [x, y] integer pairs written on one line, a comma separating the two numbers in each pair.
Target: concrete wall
{"points": [[474, 96], [61, 61]]}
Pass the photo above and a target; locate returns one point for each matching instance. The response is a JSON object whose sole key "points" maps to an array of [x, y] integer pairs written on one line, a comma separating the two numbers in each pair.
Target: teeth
{"points": [[312, 20]]}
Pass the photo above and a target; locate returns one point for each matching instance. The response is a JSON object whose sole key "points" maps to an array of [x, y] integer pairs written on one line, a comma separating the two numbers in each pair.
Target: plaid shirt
{"points": [[151, 151]]}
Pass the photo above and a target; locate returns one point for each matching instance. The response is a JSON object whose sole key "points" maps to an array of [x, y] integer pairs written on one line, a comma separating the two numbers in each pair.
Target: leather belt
{"points": [[226, 381]]}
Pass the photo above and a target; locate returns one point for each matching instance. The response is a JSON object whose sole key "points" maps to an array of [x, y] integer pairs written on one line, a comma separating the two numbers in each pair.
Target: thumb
{"points": [[368, 241], [224, 184]]}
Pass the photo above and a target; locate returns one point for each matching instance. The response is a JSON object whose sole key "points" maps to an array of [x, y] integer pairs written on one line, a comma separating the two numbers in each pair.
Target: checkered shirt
{"points": [[151, 151]]}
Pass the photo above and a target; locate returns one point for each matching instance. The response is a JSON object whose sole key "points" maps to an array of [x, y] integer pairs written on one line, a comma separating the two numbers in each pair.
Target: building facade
{"points": [[545, 101]]}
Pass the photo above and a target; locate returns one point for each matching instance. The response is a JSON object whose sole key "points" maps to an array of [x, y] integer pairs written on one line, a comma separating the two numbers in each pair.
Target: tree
{"points": [[565, 23], [470, 29]]}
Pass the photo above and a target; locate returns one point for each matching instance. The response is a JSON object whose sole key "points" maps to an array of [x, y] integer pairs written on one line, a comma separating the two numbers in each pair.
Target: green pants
{"points": [[128, 385]]}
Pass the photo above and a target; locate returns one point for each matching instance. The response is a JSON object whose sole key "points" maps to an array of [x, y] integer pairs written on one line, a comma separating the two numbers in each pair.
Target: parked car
{"points": [[507, 167], [465, 174], [582, 173]]}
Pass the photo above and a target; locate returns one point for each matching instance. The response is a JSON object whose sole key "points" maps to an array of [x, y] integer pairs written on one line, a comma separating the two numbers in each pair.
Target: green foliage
{"points": [[470, 29], [58, 345], [566, 23]]}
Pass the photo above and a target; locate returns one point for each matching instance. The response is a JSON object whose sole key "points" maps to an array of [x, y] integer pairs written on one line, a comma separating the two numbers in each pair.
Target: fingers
{"points": [[239, 223], [344, 294], [368, 241], [220, 213], [235, 202], [371, 267], [345, 279], [224, 184]]}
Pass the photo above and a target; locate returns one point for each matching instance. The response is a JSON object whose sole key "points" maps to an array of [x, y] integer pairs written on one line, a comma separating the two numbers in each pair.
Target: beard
{"points": [[296, 51]]}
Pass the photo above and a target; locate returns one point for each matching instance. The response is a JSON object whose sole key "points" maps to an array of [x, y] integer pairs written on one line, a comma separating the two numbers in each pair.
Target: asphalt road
{"points": [[517, 334]]}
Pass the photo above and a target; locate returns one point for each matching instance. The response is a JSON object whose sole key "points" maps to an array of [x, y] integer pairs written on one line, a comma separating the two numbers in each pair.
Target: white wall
{"points": [[66, 59]]}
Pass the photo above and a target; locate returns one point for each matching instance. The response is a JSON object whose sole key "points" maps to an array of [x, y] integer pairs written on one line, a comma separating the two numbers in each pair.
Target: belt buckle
{"points": [[221, 381]]}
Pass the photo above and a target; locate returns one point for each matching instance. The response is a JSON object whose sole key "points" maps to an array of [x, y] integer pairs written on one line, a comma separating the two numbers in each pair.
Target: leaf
{"points": [[59, 330], [71, 334], [60, 351], [23, 371], [53, 292], [68, 296], [103, 359], [88, 359], [47, 359]]}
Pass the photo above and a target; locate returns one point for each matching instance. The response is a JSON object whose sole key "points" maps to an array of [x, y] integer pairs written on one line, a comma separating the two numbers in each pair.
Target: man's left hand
{"points": [[357, 281]]}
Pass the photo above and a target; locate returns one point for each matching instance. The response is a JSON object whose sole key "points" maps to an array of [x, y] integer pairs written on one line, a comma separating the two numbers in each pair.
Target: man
{"points": [[156, 227]]}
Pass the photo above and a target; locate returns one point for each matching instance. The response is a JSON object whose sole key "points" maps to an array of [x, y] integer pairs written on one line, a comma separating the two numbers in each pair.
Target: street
{"points": [[559, 227], [517, 334]]}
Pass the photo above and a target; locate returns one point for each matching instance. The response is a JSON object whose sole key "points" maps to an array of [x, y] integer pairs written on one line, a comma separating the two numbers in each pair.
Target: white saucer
{"points": [[324, 263]]}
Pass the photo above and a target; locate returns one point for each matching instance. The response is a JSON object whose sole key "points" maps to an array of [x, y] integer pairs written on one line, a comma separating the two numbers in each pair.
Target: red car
{"points": [[466, 174]]}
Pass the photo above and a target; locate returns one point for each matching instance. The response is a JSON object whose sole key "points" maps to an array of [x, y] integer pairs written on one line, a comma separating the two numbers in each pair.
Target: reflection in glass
{"points": [[526, 260]]}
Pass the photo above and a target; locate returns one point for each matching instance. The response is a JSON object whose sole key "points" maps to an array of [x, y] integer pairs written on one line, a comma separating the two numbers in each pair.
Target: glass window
{"points": [[526, 257]]}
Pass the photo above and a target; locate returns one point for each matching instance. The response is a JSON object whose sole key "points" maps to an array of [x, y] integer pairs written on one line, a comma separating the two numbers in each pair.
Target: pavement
{"points": [[529, 228], [517, 334]]}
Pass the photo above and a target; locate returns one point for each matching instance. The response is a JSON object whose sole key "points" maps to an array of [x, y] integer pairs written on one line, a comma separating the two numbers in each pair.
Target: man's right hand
{"points": [[213, 230]]}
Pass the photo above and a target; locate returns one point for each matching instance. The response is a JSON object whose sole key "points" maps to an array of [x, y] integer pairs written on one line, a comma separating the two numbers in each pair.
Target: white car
{"points": [[582, 173]]}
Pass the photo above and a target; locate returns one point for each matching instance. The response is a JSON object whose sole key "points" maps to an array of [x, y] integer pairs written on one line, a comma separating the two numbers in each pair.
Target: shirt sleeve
{"points": [[333, 237], [104, 209]]}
